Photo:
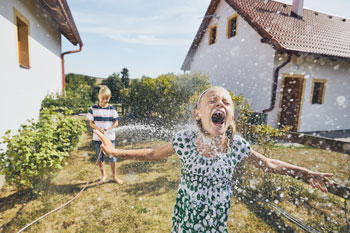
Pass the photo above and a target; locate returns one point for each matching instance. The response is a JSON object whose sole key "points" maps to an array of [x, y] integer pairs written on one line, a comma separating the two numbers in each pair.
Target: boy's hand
{"points": [[320, 180], [107, 145]]}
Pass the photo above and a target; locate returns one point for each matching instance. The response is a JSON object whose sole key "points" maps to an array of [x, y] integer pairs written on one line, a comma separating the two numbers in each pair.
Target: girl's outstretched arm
{"points": [[139, 154], [315, 179]]}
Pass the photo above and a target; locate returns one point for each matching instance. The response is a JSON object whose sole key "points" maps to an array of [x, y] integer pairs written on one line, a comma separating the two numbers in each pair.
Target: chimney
{"points": [[297, 9]]}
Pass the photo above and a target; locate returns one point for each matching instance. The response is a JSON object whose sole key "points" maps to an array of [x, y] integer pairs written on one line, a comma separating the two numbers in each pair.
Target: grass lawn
{"points": [[144, 203]]}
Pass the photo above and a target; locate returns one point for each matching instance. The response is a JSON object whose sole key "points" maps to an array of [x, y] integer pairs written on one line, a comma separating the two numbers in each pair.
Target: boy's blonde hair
{"points": [[104, 91], [231, 130]]}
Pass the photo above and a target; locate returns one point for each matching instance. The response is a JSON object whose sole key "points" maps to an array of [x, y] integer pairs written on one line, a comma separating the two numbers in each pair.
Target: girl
{"points": [[209, 157]]}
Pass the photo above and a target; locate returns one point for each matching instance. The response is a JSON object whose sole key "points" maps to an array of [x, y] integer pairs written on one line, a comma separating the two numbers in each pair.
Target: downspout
{"points": [[275, 82], [77, 38], [62, 60]]}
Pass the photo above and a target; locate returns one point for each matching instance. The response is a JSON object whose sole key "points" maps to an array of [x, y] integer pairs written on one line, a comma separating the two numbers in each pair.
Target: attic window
{"points": [[212, 34], [232, 26], [318, 91], [22, 25]]}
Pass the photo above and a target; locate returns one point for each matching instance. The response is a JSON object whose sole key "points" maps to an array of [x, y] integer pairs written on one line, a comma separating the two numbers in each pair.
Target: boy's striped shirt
{"points": [[103, 118]]}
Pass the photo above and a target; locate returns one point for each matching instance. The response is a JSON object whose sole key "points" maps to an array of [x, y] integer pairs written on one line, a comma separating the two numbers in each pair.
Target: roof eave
{"points": [[202, 29], [61, 14]]}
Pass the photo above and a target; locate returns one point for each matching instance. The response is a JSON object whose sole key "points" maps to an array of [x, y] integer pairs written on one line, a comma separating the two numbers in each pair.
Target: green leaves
{"points": [[39, 149], [165, 97]]}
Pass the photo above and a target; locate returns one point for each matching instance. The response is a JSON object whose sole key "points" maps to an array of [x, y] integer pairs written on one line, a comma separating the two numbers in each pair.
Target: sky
{"points": [[148, 37]]}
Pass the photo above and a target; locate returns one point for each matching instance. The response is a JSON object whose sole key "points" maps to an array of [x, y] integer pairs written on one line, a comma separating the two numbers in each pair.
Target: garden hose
{"points": [[67, 203]]}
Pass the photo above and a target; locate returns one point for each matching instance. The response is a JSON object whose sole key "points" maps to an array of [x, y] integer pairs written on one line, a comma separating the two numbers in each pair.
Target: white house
{"points": [[291, 63], [31, 56]]}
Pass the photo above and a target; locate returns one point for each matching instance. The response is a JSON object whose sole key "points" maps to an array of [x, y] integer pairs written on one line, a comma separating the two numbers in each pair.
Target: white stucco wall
{"points": [[244, 65], [241, 64], [334, 113], [22, 90]]}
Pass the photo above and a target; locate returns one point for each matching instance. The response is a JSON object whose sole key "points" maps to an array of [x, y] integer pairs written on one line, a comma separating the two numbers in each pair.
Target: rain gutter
{"points": [[275, 82], [68, 18], [62, 60]]}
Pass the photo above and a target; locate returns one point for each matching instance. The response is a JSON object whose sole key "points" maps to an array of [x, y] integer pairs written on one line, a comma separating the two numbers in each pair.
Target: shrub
{"points": [[165, 97], [267, 136], [38, 150], [76, 100]]}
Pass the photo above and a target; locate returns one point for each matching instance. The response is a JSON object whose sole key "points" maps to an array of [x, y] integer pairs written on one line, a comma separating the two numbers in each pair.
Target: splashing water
{"points": [[140, 132]]}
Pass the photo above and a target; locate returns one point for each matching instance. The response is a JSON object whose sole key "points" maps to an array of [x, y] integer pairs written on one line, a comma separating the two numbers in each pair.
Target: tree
{"points": [[115, 84], [165, 97], [125, 77], [75, 82]]}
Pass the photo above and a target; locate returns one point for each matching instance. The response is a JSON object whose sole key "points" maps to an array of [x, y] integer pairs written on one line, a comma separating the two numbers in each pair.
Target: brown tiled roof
{"points": [[316, 33], [61, 14]]}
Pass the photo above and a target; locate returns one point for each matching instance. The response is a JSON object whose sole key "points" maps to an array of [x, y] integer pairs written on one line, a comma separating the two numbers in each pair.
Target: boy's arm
{"points": [[315, 179], [115, 124], [94, 126], [139, 154]]}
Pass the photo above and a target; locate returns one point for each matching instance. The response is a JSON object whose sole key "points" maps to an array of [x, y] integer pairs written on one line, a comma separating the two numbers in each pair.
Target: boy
{"points": [[104, 117]]}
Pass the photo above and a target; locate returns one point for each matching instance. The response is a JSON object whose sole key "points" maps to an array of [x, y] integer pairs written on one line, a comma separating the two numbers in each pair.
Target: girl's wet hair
{"points": [[231, 130]]}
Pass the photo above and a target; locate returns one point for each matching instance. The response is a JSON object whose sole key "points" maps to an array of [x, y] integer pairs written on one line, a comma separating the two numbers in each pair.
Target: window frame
{"points": [[324, 82], [23, 62], [229, 26], [211, 28]]}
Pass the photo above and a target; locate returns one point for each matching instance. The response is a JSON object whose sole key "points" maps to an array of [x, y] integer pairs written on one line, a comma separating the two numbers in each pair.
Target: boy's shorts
{"points": [[97, 145]]}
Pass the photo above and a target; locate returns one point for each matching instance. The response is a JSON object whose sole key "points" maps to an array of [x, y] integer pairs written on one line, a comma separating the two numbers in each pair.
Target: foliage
{"points": [[165, 97], [77, 101], [115, 84], [125, 77], [74, 82], [80, 94], [267, 136], [39, 149], [243, 113]]}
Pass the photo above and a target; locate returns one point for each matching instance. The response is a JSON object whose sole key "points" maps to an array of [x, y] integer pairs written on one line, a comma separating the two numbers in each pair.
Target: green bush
{"points": [[75, 82], [165, 98], [39, 150], [76, 100], [267, 136], [81, 92]]}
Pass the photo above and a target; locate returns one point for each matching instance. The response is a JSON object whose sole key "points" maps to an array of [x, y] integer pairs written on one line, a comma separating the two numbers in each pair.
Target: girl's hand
{"points": [[319, 180], [107, 145]]}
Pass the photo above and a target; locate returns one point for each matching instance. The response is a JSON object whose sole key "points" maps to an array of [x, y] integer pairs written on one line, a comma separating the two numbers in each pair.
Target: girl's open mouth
{"points": [[218, 118]]}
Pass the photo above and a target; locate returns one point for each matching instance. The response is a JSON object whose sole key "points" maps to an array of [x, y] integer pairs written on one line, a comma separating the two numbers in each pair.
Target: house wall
{"points": [[334, 113], [21, 89], [244, 65], [241, 64]]}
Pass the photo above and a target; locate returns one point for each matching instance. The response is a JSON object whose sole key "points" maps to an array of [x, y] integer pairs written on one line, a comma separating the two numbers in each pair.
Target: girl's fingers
{"points": [[328, 181], [311, 182], [103, 138], [321, 186], [103, 147], [325, 175]]}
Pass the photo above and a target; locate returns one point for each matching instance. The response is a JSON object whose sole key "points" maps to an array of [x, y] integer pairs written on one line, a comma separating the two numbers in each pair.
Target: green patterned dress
{"points": [[204, 194]]}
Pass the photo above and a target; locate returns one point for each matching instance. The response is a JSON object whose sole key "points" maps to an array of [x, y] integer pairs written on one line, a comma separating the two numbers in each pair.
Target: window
{"points": [[232, 23], [22, 39], [318, 91], [212, 34]]}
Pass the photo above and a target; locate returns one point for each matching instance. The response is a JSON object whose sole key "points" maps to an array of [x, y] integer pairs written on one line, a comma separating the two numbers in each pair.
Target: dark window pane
{"points": [[317, 93], [233, 26], [213, 35]]}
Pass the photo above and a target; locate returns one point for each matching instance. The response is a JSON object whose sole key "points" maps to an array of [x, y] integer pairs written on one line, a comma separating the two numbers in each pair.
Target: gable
{"points": [[316, 33]]}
